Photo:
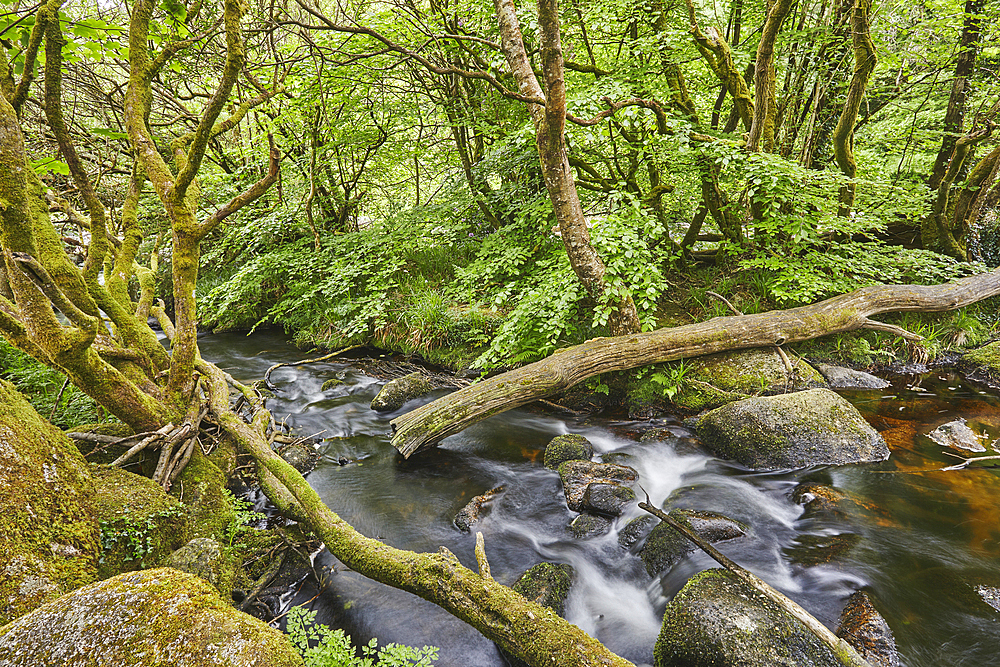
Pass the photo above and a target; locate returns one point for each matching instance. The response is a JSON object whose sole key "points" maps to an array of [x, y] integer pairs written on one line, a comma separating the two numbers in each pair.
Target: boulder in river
{"points": [[152, 617], [848, 378], [578, 475], [863, 627], [547, 584], [956, 434], [718, 621], [606, 499], [590, 525], [567, 447], [665, 547], [49, 536], [717, 379], [792, 431], [397, 392]]}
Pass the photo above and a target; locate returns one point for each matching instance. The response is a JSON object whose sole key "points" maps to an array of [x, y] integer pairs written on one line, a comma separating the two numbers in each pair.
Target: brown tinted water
{"points": [[920, 540]]}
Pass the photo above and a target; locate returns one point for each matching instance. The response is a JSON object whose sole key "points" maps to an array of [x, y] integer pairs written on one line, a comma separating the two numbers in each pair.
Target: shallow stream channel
{"points": [[924, 543]]}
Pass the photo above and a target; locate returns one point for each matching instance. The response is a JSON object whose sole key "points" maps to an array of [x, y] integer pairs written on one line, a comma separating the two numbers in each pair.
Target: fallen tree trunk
{"points": [[429, 424]]}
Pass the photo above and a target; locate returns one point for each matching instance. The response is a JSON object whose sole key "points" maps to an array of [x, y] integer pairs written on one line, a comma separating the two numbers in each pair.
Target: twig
{"points": [[484, 565], [55, 405], [840, 648], [974, 459], [267, 374], [264, 580], [875, 325], [145, 442], [725, 301]]}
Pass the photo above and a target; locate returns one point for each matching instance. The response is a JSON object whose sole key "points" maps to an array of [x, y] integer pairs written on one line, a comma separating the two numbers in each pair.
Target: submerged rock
{"points": [[578, 475], [49, 536], [590, 525], [665, 547], [717, 379], [848, 378], [863, 627], [957, 435], [473, 511], [567, 447], [812, 550], [300, 455], [153, 617], [792, 431], [718, 621], [397, 392]]}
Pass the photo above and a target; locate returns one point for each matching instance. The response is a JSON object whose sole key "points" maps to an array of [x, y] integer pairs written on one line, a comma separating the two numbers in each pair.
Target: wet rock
{"points": [[49, 535], [607, 499], [300, 455], [590, 525], [665, 547], [820, 501], [957, 435], [567, 447], [681, 444], [144, 618], [546, 584], [718, 379], [990, 595], [848, 378], [578, 475], [473, 511], [792, 431], [331, 383], [141, 523], [397, 392], [718, 620], [812, 550], [863, 627], [621, 458], [635, 530], [204, 557]]}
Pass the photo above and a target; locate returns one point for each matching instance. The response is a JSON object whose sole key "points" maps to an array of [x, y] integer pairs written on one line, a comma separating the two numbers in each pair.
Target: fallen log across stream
{"points": [[429, 424]]}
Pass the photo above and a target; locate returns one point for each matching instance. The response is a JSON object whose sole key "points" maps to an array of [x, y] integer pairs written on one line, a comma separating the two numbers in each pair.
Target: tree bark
{"points": [[431, 423], [954, 117], [843, 135], [762, 126]]}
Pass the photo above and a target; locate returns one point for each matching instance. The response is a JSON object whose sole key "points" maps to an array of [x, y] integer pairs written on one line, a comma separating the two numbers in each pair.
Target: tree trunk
{"points": [[843, 135], [762, 127], [431, 423], [549, 117], [955, 115]]}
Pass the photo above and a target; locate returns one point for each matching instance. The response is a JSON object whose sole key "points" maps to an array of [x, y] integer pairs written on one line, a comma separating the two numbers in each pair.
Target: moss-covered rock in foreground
{"points": [[717, 379], [49, 536], [792, 431], [153, 618], [140, 523], [717, 620]]}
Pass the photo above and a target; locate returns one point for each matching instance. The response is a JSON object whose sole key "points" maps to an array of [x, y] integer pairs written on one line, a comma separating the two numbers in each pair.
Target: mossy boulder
{"points": [[606, 499], [153, 618], [397, 392], [546, 584], [665, 547], [792, 431], [590, 525], [567, 447], [635, 530], [576, 476], [717, 379], [984, 364], [718, 621], [205, 558], [202, 488], [141, 524], [49, 535], [863, 627]]}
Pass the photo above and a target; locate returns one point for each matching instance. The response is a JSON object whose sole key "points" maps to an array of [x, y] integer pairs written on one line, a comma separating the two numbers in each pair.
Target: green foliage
{"points": [[132, 537], [41, 386], [671, 378], [320, 646], [244, 515]]}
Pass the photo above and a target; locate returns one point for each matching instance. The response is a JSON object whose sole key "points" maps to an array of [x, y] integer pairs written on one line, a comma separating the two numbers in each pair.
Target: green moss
{"points": [[202, 489], [153, 618], [567, 447], [140, 523], [547, 584], [987, 358], [49, 536]]}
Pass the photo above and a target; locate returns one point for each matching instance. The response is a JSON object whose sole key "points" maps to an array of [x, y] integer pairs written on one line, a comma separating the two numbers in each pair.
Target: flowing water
{"points": [[918, 539]]}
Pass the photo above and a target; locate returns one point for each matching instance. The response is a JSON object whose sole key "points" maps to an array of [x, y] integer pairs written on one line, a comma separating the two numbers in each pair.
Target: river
{"points": [[918, 539]]}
